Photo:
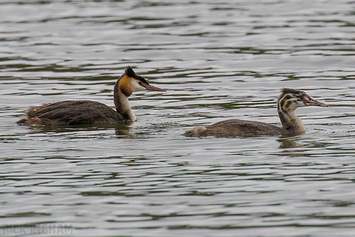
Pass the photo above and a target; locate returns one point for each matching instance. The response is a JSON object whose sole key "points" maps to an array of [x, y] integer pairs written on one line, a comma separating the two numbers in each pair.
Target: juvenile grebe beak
{"points": [[308, 101]]}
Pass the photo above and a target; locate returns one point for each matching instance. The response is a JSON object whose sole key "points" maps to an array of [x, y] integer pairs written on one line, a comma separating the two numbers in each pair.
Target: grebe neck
{"points": [[291, 123], [121, 103]]}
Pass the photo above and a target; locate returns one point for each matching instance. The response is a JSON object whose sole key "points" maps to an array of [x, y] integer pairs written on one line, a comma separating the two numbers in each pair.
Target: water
{"points": [[217, 60]]}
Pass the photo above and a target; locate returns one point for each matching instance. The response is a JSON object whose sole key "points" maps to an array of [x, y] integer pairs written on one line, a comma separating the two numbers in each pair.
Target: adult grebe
{"points": [[91, 112], [288, 102]]}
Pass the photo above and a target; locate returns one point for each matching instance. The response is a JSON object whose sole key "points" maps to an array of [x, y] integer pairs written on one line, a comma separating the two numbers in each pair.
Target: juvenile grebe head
{"points": [[288, 102], [291, 99], [130, 82]]}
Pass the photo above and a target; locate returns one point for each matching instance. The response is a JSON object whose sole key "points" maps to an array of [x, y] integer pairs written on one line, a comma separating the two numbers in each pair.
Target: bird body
{"points": [[78, 112], [234, 128], [288, 102]]}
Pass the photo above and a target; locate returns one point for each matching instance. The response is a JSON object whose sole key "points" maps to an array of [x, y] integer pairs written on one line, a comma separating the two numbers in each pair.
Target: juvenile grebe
{"points": [[91, 112], [288, 102]]}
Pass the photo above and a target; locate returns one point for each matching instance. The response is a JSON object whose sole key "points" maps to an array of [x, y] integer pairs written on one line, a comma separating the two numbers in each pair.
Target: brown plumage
{"points": [[288, 102], [91, 112]]}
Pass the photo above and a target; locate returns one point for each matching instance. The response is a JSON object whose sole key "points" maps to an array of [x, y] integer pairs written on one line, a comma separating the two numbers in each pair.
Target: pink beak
{"points": [[152, 88], [313, 102]]}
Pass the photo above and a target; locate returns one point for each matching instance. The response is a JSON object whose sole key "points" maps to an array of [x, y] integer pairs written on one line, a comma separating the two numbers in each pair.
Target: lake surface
{"points": [[217, 60]]}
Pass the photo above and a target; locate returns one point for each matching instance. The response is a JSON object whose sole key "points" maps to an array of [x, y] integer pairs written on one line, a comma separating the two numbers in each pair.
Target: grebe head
{"points": [[130, 82], [291, 99]]}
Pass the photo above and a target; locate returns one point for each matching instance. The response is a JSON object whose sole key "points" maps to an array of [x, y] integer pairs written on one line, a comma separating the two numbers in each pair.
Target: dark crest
{"points": [[129, 72], [292, 91], [297, 93]]}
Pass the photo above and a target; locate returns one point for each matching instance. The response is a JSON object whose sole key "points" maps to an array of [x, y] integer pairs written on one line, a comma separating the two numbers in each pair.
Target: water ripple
{"points": [[217, 61]]}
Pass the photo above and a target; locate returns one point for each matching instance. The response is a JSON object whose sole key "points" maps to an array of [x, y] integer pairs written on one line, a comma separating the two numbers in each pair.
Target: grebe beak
{"points": [[151, 88], [312, 102]]}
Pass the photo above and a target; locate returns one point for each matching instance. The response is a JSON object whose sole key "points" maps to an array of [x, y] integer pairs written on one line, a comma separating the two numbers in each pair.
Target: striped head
{"points": [[131, 82], [291, 99]]}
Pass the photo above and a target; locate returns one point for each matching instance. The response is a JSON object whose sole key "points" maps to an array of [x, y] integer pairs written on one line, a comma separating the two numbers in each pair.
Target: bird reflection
{"points": [[287, 143], [122, 130]]}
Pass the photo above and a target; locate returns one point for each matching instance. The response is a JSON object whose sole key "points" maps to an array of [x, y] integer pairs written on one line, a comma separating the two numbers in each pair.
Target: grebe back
{"points": [[91, 112], [288, 102]]}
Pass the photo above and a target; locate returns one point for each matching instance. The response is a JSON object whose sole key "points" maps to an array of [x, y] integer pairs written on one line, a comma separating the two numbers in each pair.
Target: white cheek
{"points": [[135, 86], [300, 104], [294, 105]]}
